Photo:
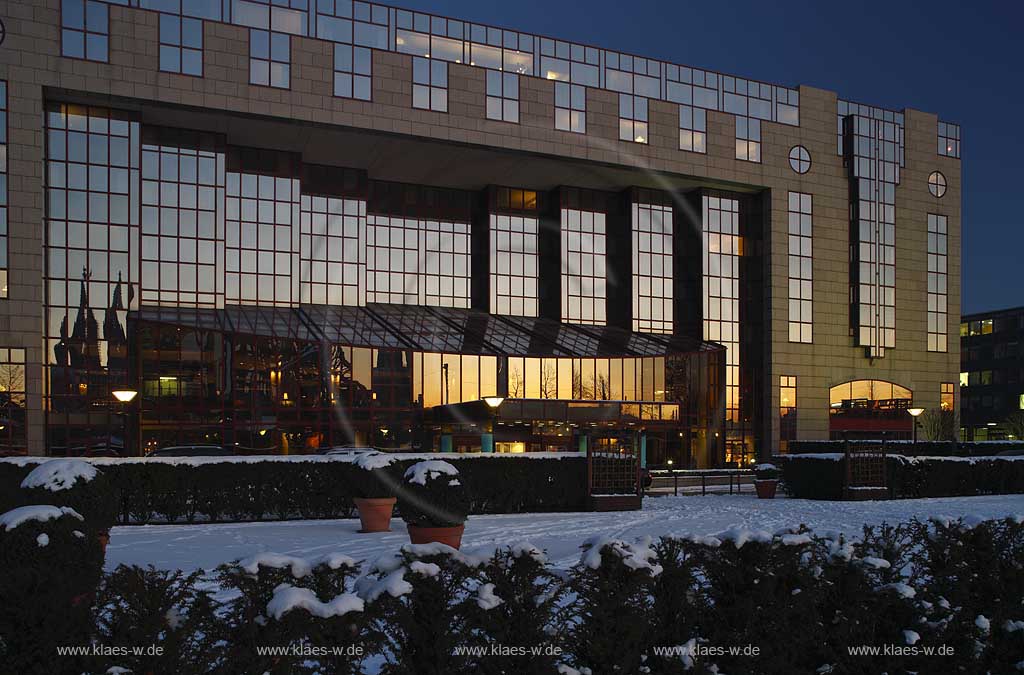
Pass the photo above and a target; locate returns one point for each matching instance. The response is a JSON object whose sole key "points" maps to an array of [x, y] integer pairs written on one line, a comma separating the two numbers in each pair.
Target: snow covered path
{"points": [[193, 546]]}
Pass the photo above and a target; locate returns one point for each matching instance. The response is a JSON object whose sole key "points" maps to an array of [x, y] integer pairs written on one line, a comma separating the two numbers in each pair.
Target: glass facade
{"points": [[801, 295], [653, 287], [92, 235], [353, 71], [85, 29], [514, 264], [430, 84], [3, 190], [181, 44], [787, 411], [584, 273], [633, 118], [722, 246], [949, 139], [938, 322], [748, 139], [12, 400], [571, 107], [874, 152], [868, 408], [272, 306], [693, 129], [269, 59], [502, 96]]}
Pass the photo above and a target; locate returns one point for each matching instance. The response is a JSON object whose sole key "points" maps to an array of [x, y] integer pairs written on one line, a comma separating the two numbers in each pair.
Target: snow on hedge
{"points": [[28, 460], [288, 598], [520, 549], [419, 472], [59, 474], [485, 597], [300, 567], [637, 556], [740, 535], [374, 460], [38, 512]]}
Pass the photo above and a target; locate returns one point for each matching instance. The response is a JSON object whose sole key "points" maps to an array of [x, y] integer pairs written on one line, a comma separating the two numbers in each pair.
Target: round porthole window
{"points": [[799, 159], [936, 183]]}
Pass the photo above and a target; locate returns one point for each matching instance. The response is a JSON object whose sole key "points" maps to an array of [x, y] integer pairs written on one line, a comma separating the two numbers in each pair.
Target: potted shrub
{"points": [[766, 480], [433, 503], [375, 491]]}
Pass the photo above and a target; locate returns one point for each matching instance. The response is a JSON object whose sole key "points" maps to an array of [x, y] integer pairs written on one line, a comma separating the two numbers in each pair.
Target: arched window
{"points": [[870, 409]]}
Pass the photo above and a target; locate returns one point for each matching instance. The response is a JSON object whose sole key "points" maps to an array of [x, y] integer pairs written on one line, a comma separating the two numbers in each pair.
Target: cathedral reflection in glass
{"points": [[272, 306]]}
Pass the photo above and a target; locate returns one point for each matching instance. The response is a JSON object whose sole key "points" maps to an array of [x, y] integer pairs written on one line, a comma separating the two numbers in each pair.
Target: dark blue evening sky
{"points": [[963, 62]]}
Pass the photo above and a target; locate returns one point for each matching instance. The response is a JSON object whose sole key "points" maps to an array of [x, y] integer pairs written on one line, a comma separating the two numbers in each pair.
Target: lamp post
{"points": [[914, 414], [125, 397]]}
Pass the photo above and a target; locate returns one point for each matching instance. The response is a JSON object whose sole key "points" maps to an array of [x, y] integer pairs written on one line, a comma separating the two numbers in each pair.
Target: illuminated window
{"points": [[936, 183], [949, 139], [502, 96], [632, 118], [12, 392], [799, 159], [938, 329], [429, 84], [3, 189], [583, 267], [85, 29], [269, 58], [181, 44], [181, 188], [352, 72], [946, 400], [748, 139], [571, 107], [262, 215], [721, 290], [333, 258], [693, 128], [800, 268], [963, 379], [652, 268], [787, 411]]}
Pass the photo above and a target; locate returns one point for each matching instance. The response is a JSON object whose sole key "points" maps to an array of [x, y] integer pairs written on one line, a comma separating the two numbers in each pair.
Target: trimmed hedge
{"points": [[800, 600], [49, 571], [822, 476], [215, 490], [920, 449]]}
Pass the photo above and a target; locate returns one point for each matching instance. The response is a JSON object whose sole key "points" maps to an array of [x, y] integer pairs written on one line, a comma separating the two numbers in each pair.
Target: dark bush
{"points": [[921, 448], [417, 604], [50, 570], [432, 495], [163, 612], [823, 476], [92, 494], [216, 489], [282, 602]]}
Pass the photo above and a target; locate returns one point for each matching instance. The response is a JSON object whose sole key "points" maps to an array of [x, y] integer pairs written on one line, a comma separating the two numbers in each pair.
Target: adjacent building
{"points": [[289, 225], [992, 375]]}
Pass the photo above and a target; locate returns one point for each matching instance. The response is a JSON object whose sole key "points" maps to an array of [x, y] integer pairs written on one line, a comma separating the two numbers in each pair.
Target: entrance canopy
{"points": [[427, 329]]}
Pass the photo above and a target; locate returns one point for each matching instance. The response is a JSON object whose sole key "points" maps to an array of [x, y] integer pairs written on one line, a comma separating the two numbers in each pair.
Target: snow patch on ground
{"points": [[288, 598], [559, 535], [419, 472], [38, 512], [59, 474]]}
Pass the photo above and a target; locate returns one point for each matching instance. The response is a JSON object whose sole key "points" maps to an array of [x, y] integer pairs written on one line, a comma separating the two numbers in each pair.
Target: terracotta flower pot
{"points": [[375, 514], [452, 536], [766, 488]]}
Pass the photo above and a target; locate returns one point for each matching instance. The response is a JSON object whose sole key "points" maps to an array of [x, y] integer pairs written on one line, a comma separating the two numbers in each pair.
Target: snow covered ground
{"points": [[206, 546]]}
